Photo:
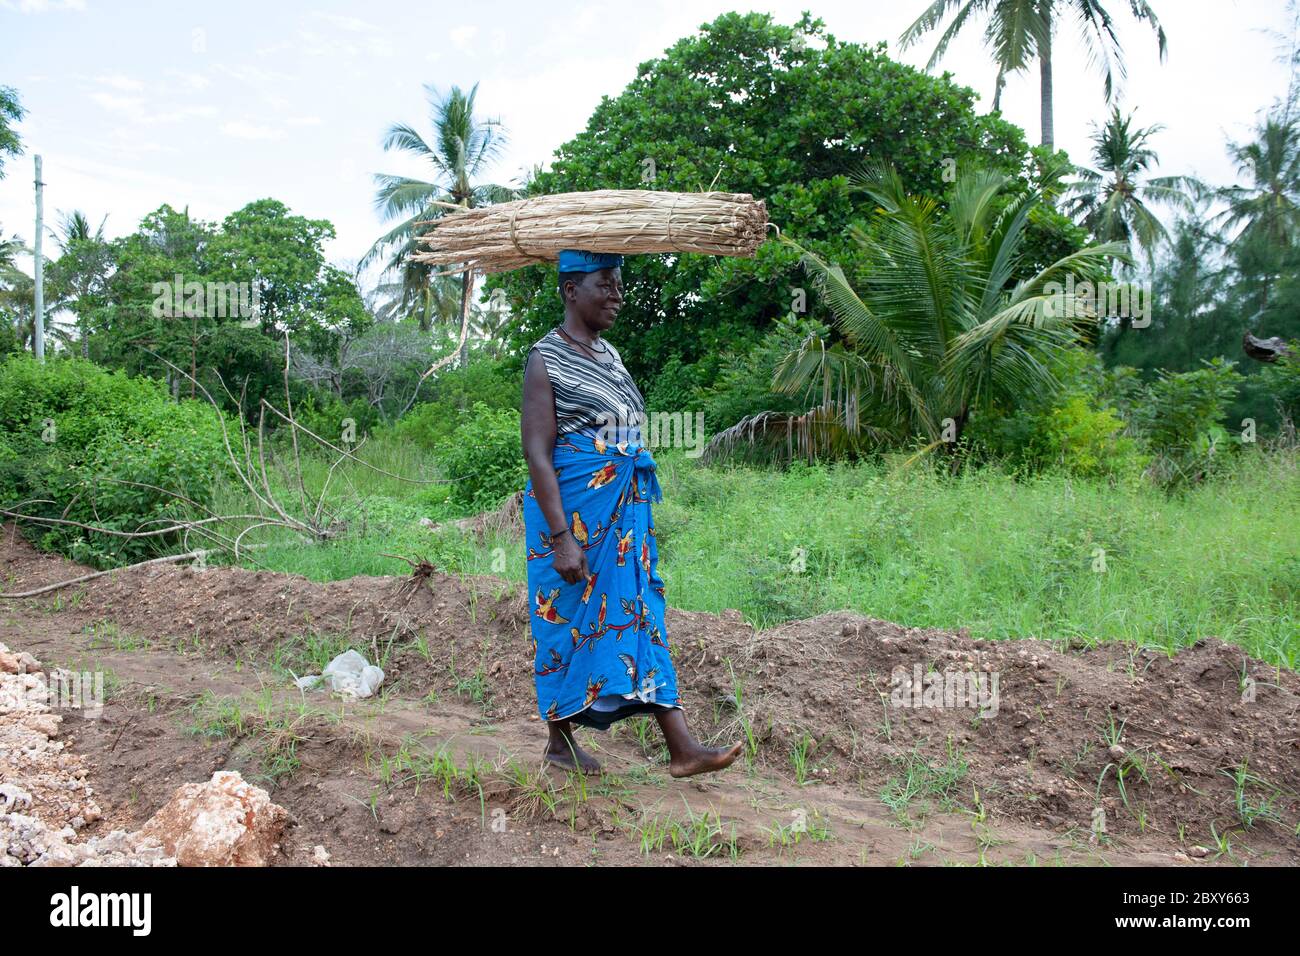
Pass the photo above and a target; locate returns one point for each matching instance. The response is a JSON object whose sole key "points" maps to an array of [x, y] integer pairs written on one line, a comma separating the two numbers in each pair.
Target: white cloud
{"points": [[273, 48], [128, 145], [461, 37], [253, 75], [132, 106], [182, 114], [238, 129], [43, 6], [351, 24], [191, 81], [318, 44], [119, 82]]}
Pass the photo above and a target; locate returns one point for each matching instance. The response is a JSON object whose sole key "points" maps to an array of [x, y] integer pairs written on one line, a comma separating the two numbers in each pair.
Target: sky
{"points": [[213, 105]]}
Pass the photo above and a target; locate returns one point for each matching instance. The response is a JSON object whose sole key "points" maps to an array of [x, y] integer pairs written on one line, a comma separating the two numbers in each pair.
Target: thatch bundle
{"points": [[626, 221]]}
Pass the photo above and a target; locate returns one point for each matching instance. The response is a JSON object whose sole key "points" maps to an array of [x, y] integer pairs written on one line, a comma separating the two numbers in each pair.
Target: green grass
{"points": [[920, 786], [1004, 558], [1001, 556], [699, 835], [273, 734]]}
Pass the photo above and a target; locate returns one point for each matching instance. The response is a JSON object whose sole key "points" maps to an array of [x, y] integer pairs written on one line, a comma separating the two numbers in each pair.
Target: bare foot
{"points": [[703, 760], [562, 757]]}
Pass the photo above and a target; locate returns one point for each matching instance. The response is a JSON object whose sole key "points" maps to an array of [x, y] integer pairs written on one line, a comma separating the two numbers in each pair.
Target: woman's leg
{"points": [[687, 757], [563, 750]]}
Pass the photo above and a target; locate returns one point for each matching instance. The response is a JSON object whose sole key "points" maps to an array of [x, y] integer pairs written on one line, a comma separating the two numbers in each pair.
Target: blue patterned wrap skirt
{"points": [[600, 646]]}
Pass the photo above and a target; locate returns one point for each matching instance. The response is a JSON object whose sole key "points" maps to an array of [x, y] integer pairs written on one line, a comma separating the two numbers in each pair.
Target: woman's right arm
{"points": [[537, 430]]}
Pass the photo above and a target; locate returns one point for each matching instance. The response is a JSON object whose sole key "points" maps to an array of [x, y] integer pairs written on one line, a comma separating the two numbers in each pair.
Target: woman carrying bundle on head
{"points": [[601, 646]]}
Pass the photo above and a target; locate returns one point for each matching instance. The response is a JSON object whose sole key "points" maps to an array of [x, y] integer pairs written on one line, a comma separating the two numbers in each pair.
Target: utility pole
{"points": [[38, 332]]}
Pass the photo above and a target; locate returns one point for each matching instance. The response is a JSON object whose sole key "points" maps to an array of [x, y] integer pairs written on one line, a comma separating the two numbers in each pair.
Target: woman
{"points": [[601, 650]]}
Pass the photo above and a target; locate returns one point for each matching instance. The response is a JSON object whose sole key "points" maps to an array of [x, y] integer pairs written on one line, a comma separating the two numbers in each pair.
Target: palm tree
{"points": [[1020, 31], [9, 251], [418, 292], [83, 268], [13, 284], [1265, 212], [18, 309], [941, 328], [1114, 200], [463, 147]]}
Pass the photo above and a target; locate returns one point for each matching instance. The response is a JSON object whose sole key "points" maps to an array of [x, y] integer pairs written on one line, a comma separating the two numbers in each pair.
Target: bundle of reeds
{"points": [[626, 221]]}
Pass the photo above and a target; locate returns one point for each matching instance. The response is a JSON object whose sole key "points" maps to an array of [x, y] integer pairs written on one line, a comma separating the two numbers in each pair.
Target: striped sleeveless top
{"points": [[588, 394]]}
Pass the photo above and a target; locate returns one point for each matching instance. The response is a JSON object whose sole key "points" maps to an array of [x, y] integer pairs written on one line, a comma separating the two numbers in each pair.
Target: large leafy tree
{"points": [[938, 326], [169, 243], [1114, 199], [751, 105], [263, 246], [461, 151], [11, 111], [1018, 32]]}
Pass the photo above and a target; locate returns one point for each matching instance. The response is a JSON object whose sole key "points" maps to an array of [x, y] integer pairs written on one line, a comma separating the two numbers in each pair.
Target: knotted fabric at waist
{"points": [[624, 459]]}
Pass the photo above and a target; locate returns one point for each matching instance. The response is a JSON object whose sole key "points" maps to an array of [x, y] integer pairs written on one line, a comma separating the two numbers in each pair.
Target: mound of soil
{"points": [[1113, 743]]}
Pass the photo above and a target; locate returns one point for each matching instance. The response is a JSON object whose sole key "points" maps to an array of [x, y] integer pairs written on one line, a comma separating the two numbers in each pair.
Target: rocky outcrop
{"points": [[224, 822]]}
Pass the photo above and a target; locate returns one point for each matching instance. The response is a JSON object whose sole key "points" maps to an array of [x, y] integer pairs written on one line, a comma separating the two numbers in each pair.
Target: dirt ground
{"points": [[1107, 755]]}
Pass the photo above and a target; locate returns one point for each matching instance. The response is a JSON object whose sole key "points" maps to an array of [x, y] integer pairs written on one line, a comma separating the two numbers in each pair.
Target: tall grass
{"points": [[1045, 556]]}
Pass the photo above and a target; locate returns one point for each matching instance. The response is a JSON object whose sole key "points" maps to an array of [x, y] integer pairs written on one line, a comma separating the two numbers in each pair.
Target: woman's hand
{"points": [[569, 559]]}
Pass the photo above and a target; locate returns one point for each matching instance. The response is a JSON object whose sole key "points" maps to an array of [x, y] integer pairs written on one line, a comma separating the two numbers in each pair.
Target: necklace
{"points": [[603, 350]]}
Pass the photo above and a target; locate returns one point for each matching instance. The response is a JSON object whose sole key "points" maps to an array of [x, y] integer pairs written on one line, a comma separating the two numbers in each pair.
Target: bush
{"points": [[1086, 440], [1182, 421], [744, 386], [676, 386], [79, 443], [482, 458], [325, 415], [1079, 431], [454, 392]]}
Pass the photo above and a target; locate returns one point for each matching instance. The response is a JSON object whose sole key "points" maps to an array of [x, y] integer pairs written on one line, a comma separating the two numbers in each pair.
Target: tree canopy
{"points": [[782, 112]]}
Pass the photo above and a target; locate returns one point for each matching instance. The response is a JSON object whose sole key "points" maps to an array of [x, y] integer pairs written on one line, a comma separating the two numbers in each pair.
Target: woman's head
{"points": [[591, 287]]}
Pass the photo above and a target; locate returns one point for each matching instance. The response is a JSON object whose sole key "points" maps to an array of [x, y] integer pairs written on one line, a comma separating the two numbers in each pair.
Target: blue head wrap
{"points": [[575, 260]]}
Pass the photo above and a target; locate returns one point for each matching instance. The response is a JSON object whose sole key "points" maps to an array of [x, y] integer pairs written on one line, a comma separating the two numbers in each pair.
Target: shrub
{"points": [[482, 457], [1182, 421], [430, 423], [676, 386], [80, 443], [325, 415], [744, 386], [1086, 440], [1080, 431]]}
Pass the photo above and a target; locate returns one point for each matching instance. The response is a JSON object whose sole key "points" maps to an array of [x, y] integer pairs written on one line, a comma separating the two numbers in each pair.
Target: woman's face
{"points": [[597, 299]]}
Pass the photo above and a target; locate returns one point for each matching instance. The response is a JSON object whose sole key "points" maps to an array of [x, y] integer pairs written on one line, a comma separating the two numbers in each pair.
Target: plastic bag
{"points": [[348, 674]]}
